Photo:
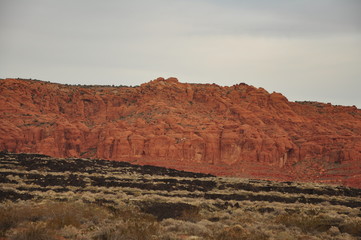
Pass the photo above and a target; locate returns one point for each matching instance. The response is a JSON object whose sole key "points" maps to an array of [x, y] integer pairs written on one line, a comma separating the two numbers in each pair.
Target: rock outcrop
{"points": [[239, 130]]}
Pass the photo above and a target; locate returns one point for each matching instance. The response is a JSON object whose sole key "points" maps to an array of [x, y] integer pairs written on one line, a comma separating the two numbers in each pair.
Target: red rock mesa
{"points": [[239, 130]]}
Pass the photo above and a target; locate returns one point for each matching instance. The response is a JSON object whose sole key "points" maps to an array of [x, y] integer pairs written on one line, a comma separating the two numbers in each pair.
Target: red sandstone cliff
{"points": [[239, 130]]}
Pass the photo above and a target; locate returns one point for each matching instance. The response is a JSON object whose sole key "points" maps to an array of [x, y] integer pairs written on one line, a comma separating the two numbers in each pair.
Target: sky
{"points": [[309, 50]]}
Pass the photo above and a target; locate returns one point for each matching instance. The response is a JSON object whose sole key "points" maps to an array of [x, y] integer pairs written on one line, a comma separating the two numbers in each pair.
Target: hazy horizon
{"points": [[306, 50]]}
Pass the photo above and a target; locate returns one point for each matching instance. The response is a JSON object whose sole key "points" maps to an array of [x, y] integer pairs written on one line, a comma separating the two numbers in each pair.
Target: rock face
{"points": [[240, 130]]}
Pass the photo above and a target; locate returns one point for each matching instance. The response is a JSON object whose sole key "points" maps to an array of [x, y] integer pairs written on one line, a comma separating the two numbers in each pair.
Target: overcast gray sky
{"points": [[305, 49]]}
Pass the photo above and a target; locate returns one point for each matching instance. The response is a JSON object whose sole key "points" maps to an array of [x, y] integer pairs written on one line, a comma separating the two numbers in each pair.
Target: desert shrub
{"points": [[352, 227], [163, 210], [33, 231], [284, 235], [61, 214], [247, 217], [237, 232], [11, 214], [129, 223], [307, 223], [7, 219], [59, 218], [56, 215], [69, 232], [185, 227], [191, 215], [132, 229]]}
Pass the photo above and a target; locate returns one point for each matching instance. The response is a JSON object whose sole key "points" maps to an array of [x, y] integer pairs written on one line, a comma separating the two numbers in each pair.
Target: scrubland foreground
{"points": [[48, 198]]}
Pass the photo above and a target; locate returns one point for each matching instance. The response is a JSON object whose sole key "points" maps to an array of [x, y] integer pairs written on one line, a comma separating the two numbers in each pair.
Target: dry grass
{"points": [[57, 214], [131, 229], [32, 217], [78, 220], [237, 232], [33, 231], [114, 203], [62, 214], [352, 227], [192, 215], [307, 223], [44, 220]]}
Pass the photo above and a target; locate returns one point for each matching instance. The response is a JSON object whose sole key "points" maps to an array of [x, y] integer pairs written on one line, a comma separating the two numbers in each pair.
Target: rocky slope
{"points": [[239, 130]]}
